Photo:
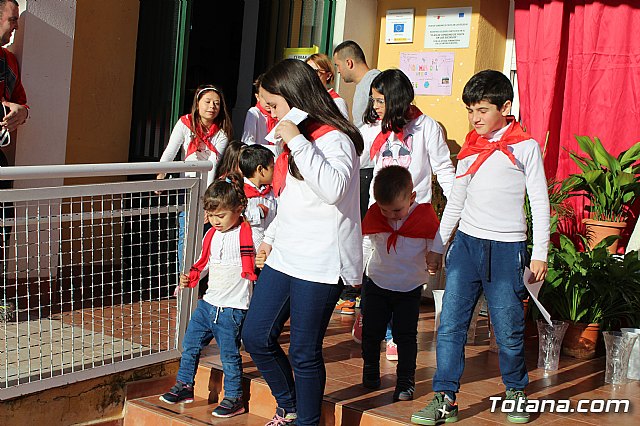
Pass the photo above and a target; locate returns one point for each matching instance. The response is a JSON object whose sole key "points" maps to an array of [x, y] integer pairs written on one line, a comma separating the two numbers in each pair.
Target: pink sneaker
{"points": [[356, 332], [392, 351]]}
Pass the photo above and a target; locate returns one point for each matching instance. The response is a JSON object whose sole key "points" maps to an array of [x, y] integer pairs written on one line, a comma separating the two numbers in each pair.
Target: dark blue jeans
{"points": [[495, 267], [223, 324], [276, 298]]}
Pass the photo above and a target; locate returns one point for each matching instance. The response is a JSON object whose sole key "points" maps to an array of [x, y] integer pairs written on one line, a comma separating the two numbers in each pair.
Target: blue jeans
{"points": [[497, 268], [276, 298], [223, 324]]}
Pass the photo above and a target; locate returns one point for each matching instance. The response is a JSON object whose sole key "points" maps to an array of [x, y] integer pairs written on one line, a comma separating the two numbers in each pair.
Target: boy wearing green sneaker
{"points": [[498, 165]]}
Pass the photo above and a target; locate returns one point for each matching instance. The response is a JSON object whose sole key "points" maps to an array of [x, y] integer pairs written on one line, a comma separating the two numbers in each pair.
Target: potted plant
{"points": [[592, 289], [611, 184]]}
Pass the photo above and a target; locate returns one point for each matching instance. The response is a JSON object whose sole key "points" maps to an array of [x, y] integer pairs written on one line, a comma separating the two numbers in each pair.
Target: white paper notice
{"points": [[295, 115], [534, 289]]}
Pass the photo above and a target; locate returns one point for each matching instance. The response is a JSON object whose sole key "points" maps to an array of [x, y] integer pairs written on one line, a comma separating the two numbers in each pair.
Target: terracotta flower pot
{"points": [[598, 230], [580, 340]]}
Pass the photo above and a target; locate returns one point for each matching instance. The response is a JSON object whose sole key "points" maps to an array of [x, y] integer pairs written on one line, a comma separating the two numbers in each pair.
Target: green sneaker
{"points": [[517, 416], [440, 410]]}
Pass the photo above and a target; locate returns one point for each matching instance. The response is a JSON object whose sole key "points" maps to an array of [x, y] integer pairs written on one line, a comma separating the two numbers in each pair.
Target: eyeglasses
{"points": [[379, 101]]}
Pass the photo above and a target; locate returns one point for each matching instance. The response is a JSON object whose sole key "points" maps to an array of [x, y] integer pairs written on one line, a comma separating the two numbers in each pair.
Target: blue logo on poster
{"points": [[398, 28], [426, 84]]}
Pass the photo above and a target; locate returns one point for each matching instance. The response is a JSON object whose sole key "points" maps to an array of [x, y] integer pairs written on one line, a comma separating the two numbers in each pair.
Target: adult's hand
{"points": [[16, 116]]}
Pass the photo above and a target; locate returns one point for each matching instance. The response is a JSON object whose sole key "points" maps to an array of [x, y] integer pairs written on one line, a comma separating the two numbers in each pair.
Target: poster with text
{"points": [[448, 28], [399, 26], [431, 73]]}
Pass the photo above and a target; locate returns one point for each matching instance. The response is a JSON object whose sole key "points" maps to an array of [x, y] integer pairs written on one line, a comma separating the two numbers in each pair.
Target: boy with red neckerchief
{"points": [[256, 162], [498, 165], [397, 234], [259, 121]]}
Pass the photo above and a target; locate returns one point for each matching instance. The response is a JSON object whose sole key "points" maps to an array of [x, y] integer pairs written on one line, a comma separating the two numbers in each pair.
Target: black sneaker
{"points": [[403, 394], [283, 418], [517, 416], [229, 407], [180, 392], [440, 410]]}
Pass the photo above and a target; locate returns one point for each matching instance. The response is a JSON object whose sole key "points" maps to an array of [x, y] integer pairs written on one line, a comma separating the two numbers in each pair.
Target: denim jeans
{"points": [[405, 308], [497, 268], [223, 324], [276, 298]]}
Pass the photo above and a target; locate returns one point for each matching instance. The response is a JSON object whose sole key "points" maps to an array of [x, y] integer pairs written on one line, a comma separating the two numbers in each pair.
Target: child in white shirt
{"points": [[397, 233], [228, 254]]}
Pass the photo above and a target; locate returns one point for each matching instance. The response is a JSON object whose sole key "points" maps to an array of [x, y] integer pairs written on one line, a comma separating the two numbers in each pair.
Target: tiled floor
{"points": [[82, 339], [574, 380]]}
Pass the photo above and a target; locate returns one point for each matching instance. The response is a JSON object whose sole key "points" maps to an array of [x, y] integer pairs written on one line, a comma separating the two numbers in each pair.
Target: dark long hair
{"points": [[398, 96], [299, 85], [223, 120]]}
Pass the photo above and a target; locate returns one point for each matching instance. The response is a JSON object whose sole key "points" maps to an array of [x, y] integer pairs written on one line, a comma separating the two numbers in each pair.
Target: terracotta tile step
{"points": [[150, 411]]}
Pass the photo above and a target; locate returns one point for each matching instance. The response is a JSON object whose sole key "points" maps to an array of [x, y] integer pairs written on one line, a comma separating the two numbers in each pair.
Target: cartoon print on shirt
{"points": [[397, 152]]}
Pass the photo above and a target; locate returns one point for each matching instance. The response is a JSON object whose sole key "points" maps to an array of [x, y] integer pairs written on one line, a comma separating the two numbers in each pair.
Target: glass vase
{"points": [[619, 345], [549, 343], [633, 372]]}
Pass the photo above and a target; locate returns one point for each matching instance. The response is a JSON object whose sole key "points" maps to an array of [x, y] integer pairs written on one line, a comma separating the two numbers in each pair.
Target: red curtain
{"points": [[579, 74]]}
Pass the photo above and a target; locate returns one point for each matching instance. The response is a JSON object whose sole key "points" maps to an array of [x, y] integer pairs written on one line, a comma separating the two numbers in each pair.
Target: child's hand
{"points": [[264, 211], [286, 131], [160, 176], [263, 252], [538, 271], [184, 281], [434, 262]]}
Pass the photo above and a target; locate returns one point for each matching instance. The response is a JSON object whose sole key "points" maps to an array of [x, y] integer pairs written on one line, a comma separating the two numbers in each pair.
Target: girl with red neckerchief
{"points": [[314, 245], [204, 133]]}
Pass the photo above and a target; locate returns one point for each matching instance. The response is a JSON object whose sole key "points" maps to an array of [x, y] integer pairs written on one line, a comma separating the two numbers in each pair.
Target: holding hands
{"points": [[263, 252], [434, 262]]}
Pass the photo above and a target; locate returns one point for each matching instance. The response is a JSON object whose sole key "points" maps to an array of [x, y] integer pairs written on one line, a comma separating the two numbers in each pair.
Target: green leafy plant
{"points": [[609, 183], [593, 286]]}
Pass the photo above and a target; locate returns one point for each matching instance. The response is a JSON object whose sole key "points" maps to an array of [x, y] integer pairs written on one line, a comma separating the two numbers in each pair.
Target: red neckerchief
{"points": [[476, 144], [421, 223], [333, 94], [247, 255], [199, 135], [271, 122], [382, 137], [250, 191], [281, 168]]}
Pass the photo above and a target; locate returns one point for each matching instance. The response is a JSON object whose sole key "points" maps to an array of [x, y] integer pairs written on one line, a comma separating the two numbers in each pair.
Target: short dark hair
{"points": [[488, 85], [350, 49], [398, 95], [253, 156], [257, 83], [391, 183], [228, 162]]}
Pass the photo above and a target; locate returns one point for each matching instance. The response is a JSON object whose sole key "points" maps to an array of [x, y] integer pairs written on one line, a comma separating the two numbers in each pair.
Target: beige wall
{"points": [[102, 81], [486, 50]]}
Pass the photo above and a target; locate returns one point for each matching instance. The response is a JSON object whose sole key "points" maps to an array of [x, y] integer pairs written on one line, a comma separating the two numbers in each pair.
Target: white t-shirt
{"points": [[255, 215], [227, 288], [401, 269], [255, 130], [490, 203], [423, 152], [181, 137], [316, 234]]}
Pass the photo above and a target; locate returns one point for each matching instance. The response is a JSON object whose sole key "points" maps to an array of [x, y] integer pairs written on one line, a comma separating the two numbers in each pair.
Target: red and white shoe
{"points": [[356, 332]]}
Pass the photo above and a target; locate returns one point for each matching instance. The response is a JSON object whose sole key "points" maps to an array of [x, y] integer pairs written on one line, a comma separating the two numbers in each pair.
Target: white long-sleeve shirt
{"points": [[254, 214], [401, 269], [227, 288], [255, 130], [423, 152], [490, 203], [181, 137], [316, 234]]}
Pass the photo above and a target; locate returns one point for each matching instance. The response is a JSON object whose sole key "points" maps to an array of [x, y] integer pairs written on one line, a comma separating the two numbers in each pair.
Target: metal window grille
{"points": [[89, 271]]}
